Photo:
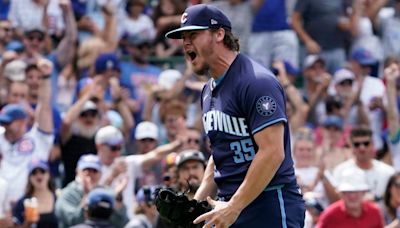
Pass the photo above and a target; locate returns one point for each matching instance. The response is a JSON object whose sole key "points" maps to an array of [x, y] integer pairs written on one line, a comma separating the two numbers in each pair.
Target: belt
{"points": [[267, 189]]}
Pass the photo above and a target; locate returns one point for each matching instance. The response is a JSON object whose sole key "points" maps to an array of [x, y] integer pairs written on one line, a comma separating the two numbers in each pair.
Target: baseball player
{"points": [[244, 116]]}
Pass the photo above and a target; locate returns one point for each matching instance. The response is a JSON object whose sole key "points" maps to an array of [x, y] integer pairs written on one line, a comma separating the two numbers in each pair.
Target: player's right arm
{"points": [[208, 186]]}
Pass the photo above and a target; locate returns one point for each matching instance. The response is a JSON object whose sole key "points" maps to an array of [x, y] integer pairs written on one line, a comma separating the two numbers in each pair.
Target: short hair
{"points": [[97, 212], [174, 107], [230, 41], [30, 67], [361, 131]]}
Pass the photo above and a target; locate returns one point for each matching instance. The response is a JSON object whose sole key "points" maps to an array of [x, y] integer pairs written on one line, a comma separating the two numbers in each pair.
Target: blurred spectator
{"points": [[363, 15], [72, 199], [173, 117], [321, 26], [19, 145], [296, 108], [146, 135], [40, 186], [372, 91], [352, 210], [6, 34], [134, 22], [316, 82], [377, 173], [240, 13], [391, 200], [99, 208], [146, 213], [138, 73], [191, 165], [167, 16], [392, 76], [5, 218], [390, 29], [30, 14], [79, 127], [109, 143], [274, 40]]}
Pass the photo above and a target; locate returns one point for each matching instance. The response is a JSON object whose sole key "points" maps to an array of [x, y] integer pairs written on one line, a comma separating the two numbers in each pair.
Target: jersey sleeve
{"points": [[43, 142], [263, 103]]}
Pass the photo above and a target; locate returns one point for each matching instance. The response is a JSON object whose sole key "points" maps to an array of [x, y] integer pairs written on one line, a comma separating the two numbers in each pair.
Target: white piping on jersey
{"points": [[216, 120]]}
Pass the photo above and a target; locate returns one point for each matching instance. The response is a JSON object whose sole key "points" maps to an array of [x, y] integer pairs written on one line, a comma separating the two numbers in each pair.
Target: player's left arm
{"points": [[261, 171]]}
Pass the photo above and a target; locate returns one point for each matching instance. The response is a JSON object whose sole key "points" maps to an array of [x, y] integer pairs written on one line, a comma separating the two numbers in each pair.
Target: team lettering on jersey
{"points": [[216, 120]]}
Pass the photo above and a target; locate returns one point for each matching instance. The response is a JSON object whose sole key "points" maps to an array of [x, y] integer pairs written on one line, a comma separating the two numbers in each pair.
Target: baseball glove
{"points": [[177, 209]]}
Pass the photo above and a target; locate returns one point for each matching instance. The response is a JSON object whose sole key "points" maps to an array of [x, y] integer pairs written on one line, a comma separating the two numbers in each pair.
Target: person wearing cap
{"points": [[377, 172], [146, 135], [296, 108], [138, 73], [70, 205], [244, 117], [190, 165], [371, 89], [99, 208], [352, 210], [109, 143], [18, 143], [40, 186], [78, 130]]}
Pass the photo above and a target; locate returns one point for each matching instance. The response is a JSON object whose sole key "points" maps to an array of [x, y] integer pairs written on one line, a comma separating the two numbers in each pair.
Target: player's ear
{"points": [[220, 34]]}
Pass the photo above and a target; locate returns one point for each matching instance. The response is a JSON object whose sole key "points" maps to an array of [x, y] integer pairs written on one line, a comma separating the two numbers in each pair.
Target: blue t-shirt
{"points": [[271, 17], [247, 100]]}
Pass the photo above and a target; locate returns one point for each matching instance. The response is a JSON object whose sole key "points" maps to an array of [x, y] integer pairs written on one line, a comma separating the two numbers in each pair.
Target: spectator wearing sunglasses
{"points": [[71, 203], [40, 186], [78, 130], [376, 172]]}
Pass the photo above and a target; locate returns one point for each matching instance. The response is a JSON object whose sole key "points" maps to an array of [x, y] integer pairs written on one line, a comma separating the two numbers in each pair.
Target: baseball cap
{"points": [[363, 57], [311, 60], [145, 130], [187, 155], [333, 120], [352, 179], [101, 197], [89, 161], [342, 75], [168, 78], [15, 70], [107, 61], [89, 105], [290, 69], [109, 135], [31, 31], [200, 17], [12, 112], [36, 164]]}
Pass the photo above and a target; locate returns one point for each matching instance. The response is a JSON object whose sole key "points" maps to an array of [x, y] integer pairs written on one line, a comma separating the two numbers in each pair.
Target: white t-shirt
{"points": [[134, 171], [377, 177], [16, 157], [3, 202]]}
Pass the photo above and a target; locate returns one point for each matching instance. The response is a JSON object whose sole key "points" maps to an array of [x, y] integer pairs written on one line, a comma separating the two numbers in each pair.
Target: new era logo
{"points": [[214, 22]]}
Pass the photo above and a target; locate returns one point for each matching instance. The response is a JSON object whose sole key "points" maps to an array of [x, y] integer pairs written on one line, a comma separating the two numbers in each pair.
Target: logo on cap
{"points": [[184, 17], [214, 22], [109, 64]]}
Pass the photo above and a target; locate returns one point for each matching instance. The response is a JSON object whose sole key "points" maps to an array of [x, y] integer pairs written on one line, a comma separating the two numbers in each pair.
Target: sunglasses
{"points": [[38, 170], [33, 37], [144, 45], [89, 113], [347, 82], [115, 148], [147, 140], [358, 144]]}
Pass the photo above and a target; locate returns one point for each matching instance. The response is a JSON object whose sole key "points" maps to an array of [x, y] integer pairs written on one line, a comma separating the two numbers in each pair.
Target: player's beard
{"points": [[84, 131], [203, 70]]}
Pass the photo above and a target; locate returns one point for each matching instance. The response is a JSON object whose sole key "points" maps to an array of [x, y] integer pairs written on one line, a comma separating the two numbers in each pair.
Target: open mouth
{"points": [[192, 55]]}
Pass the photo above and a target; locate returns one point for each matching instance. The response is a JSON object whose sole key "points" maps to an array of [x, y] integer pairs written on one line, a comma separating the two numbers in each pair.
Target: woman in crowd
{"points": [[40, 190], [391, 198]]}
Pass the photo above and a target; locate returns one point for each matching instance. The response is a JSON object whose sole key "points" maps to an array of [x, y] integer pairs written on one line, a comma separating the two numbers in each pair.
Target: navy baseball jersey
{"points": [[244, 101]]}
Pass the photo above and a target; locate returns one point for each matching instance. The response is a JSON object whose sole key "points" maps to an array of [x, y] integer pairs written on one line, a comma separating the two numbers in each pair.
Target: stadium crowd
{"points": [[99, 108]]}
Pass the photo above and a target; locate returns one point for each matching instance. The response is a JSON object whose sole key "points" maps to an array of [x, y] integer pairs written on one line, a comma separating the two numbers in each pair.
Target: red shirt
{"points": [[336, 216]]}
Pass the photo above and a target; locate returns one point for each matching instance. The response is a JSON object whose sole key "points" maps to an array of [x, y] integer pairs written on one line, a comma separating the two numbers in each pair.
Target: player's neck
{"points": [[222, 63]]}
